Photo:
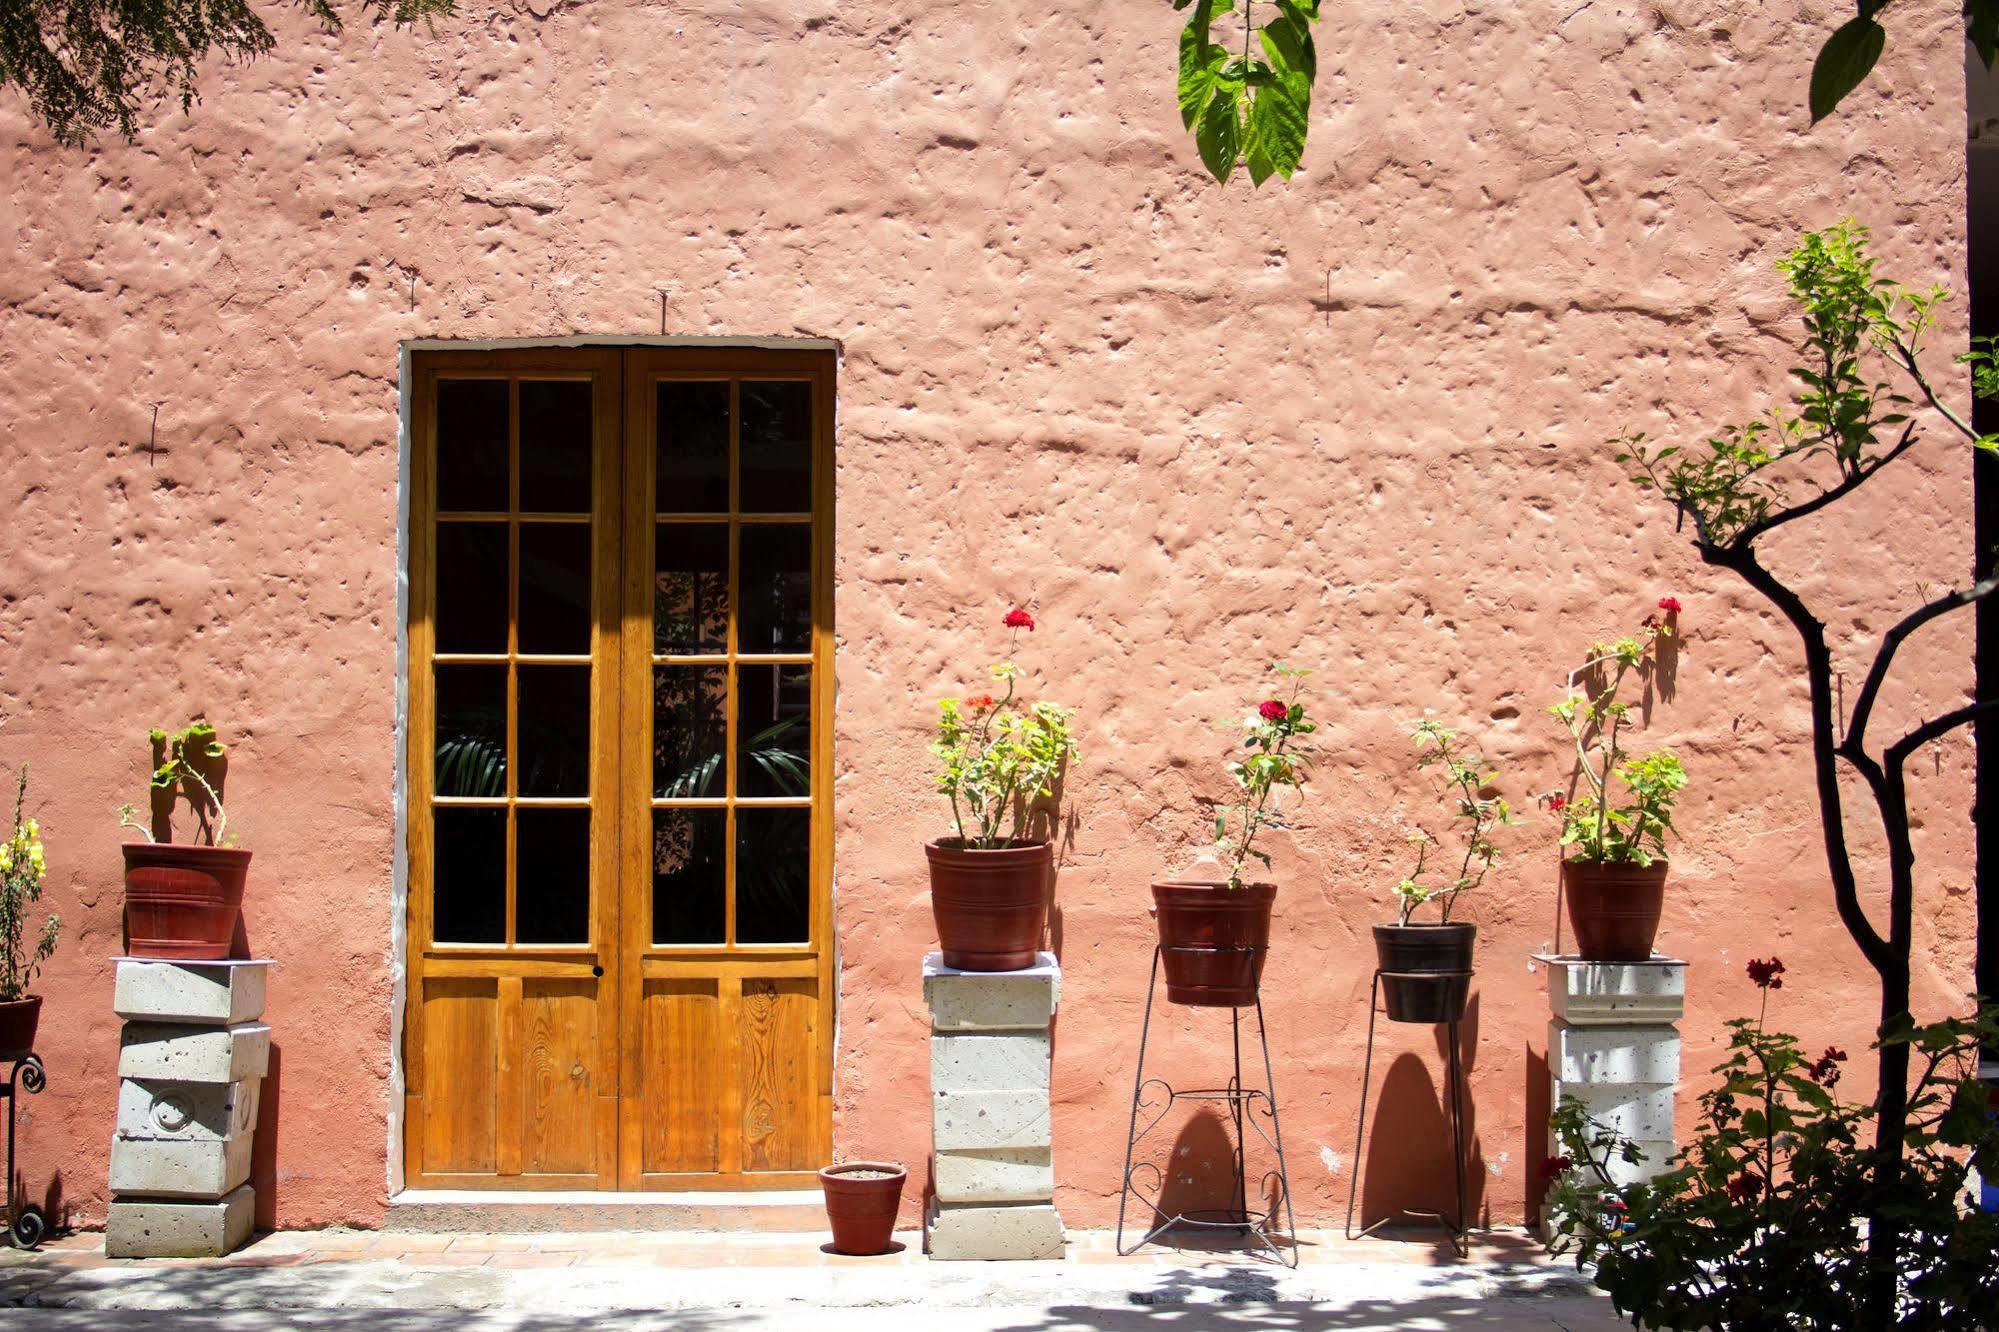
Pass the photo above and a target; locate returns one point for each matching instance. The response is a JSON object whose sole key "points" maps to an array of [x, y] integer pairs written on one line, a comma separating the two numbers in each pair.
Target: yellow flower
{"points": [[6, 858]]}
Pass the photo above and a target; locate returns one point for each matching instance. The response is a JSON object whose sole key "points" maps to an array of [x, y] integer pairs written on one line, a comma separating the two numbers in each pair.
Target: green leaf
{"points": [[1845, 59], [1201, 63], [1981, 28], [1280, 114], [1219, 134]]}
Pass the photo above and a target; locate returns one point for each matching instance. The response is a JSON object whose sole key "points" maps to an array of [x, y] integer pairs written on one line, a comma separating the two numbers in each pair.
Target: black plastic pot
{"points": [[1426, 970]]}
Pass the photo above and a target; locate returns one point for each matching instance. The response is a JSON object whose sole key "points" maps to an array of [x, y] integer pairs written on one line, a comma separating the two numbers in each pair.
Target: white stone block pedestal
{"points": [[191, 1061], [1612, 1043], [993, 1163]]}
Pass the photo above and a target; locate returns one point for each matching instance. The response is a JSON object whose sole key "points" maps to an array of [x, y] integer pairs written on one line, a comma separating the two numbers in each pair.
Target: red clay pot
{"points": [[1614, 908], [991, 906], [1212, 940], [18, 1020], [861, 1202], [181, 902]]}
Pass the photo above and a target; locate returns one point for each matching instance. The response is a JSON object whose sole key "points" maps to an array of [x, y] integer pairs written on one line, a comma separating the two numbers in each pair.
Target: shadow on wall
{"points": [[264, 1149], [1534, 1151], [1407, 1165]]}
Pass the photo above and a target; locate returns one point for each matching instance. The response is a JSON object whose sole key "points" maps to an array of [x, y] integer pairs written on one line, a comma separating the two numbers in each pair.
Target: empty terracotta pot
{"points": [[862, 1198], [19, 1019], [1614, 908], [182, 902], [1212, 940], [991, 906], [1425, 970]]}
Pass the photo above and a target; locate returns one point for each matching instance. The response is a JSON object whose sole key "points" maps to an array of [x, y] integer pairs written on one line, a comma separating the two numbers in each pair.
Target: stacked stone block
{"points": [[191, 1062], [993, 1164], [1612, 1043]]}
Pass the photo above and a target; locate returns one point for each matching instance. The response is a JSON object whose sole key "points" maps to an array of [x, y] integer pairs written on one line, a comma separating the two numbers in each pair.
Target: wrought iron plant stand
{"points": [[25, 1221], [1458, 1229], [1247, 1108]]}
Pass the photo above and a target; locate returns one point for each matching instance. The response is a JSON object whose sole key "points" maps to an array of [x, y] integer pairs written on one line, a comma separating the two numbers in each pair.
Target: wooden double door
{"points": [[619, 761]]}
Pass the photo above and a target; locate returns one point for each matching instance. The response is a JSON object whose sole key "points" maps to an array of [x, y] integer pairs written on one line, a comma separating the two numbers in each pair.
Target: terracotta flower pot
{"points": [[1614, 908], [991, 906], [182, 902], [1426, 970], [1212, 940], [18, 1020], [861, 1202]]}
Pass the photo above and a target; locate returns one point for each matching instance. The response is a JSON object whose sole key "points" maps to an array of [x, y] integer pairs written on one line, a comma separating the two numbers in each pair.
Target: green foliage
{"points": [[1467, 777], [88, 65], [1599, 824], [1848, 55], [188, 765], [1244, 108], [998, 758], [1755, 1225], [21, 869], [1276, 758], [1842, 427]]}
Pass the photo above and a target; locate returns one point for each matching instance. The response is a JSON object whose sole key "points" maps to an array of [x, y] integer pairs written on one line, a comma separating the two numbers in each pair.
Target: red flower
{"points": [[979, 702], [1271, 710], [1826, 1071], [1745, 1187], [1767, 975], [1556, 1165], [1557, 803], [1019, 619], [1670, 605]]}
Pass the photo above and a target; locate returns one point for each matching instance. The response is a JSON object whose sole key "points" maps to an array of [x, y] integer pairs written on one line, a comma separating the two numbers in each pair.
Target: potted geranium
{"points": [[182, 899], [21, 954], [1001, 760], [1426, 966], [1615, 823], [1214, 930]]}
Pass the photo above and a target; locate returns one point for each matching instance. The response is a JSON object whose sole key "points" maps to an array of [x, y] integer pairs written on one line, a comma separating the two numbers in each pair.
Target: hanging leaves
{"points": [[1245, 110]]}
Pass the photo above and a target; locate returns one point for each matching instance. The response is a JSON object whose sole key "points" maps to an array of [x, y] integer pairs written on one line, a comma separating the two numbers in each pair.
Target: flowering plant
{"points": [[1466, 779], [1275, 759], [1000, 755], [1601, 826], [1754, 1225], [21, 869]]}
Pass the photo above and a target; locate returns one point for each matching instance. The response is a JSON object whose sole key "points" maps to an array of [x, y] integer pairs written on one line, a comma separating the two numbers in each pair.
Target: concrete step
{"points": [[800, 1211]]}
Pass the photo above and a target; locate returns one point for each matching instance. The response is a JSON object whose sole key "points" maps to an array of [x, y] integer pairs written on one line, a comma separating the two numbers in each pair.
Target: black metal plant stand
{"points": [[24, 1220], [1246, 1107], [1454, 1080]]}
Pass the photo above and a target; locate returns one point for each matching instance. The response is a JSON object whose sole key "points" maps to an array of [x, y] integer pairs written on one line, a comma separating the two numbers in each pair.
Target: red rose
{"points": [[1767, 975], [1019, 619], [1745, 1187], [1556, 1165], [1557, 803], [1272, 711], [1670, 605]]}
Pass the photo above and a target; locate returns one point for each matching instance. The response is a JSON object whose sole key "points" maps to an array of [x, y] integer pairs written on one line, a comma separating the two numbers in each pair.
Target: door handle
{"points": [[597, 972]]}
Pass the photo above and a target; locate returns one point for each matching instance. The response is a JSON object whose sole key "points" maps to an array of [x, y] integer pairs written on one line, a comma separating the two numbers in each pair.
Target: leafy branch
{"points": [[1249, 109], [1466, 779]]}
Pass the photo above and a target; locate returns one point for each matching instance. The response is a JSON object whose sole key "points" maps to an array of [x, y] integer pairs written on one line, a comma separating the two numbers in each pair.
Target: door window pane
{"points": [[775, 605], [553, 736], [776, 448], [471, 754], [551, 876], [556, 456], [555, 588], [773, 730], [469, 876], [687, 870], [690, 599], [772, 851], [687, 731], [471, 587], [691, 447], [472, 445]]}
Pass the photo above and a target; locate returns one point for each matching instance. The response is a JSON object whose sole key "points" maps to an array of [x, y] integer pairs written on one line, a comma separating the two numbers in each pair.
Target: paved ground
{"points": [[348, 1280]]}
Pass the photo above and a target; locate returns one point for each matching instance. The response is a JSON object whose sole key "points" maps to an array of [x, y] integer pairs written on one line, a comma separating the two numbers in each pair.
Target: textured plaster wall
{"points": [[1354, 424]]}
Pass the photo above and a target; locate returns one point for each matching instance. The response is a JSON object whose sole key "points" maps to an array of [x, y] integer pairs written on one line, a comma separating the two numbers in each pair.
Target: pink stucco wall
{"points": [[1353, 423]]}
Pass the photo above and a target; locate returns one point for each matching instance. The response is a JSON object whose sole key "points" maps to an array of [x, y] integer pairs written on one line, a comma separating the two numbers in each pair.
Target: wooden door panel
{"points": [[561, 1076], [461, 1032], [778, 1022], [681, 1077]]}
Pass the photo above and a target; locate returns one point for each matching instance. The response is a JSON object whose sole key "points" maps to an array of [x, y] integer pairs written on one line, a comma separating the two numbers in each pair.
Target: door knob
{"points": [[597, 971]]}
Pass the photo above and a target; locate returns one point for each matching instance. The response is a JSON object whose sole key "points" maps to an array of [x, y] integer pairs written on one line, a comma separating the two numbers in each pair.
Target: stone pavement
{"points": [[389, 1282]]}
